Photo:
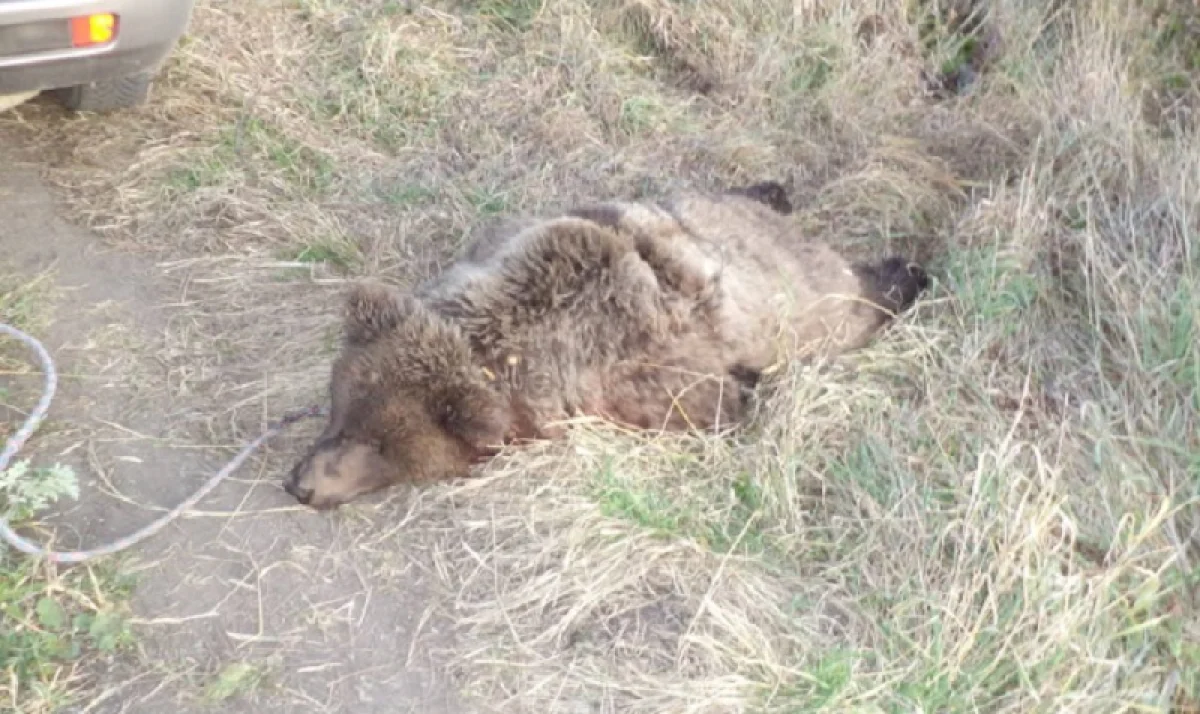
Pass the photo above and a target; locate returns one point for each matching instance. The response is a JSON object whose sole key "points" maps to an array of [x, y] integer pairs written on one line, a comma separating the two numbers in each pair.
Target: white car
{"points": [[94, 55]]}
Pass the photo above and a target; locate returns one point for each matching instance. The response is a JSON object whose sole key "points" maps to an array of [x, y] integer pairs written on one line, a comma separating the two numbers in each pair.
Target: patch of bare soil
{"points": [[249, 603]]}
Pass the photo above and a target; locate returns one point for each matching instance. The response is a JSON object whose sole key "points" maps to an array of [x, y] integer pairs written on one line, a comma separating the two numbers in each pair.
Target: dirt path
{"points": [[253, 603]]}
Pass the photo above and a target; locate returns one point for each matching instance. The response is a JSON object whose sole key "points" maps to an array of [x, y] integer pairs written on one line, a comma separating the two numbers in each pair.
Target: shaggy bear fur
{"points": [[654, 316]]}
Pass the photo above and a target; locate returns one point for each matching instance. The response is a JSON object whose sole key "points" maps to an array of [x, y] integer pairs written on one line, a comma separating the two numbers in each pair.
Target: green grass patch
{"points": [[337, 252], [234, 680], [50, 623], [721, 515], [639, 115], [811, 69], [1170, 333], [257, 152], [993, 286], [489, 202]]}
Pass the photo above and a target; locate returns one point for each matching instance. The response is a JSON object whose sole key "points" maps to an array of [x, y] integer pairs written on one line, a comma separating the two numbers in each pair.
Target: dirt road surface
{"points": [[249, 592]]}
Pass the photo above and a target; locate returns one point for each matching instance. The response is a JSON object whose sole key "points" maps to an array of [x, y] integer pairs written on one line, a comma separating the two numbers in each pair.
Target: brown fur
{"points": [[658, 317]]}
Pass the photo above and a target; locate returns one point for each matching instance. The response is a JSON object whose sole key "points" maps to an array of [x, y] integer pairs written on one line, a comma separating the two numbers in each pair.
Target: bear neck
{"points": [[496, 365]]}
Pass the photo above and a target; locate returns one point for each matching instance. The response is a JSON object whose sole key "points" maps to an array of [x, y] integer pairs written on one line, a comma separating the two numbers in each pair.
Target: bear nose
{"points": [[303, 495]]}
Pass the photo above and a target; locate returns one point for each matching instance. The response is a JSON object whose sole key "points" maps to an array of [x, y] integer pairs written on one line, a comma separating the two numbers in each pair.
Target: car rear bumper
{"points": [[147, 30]]}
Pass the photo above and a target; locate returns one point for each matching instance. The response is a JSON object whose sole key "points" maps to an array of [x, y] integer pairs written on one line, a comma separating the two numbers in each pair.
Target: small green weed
{"points": [[812, 69], [234, 680], [993, 286], [255, 150], [333, 251], [1169, 334], [721, 519], [52, 624], [49, 623], [823, 684], [489, 202], [25, 491], [639, 115], [644, 506], [212, 168]]}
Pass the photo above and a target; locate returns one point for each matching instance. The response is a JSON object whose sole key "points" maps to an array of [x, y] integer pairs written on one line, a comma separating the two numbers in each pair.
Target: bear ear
{"points": [[475, 416], [769, 193], [372, 309]]}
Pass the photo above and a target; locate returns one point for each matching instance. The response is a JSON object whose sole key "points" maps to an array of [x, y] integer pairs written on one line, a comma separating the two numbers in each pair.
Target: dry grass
{"points": [[994, 508]]}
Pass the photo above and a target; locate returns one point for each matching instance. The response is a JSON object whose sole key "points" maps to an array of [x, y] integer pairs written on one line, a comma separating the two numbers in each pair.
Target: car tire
{"points": [[108, 95]]}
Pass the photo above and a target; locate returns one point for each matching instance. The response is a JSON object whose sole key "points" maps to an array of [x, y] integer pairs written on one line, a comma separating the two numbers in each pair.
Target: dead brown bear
{"points": [[654, 316]]}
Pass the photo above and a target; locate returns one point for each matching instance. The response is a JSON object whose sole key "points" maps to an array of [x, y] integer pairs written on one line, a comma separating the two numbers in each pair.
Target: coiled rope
{"points": [[16, 441]]}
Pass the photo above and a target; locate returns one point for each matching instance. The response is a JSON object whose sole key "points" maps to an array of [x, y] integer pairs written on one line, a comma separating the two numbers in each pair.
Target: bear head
{"points": [[409, 404]]}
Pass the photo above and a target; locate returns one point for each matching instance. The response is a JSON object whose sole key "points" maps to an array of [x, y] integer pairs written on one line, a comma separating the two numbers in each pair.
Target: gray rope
{"points": [[16, 441]]}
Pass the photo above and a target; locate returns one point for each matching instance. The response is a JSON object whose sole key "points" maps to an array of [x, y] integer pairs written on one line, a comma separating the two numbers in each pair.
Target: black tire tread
{"points": [[108, 95]]}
